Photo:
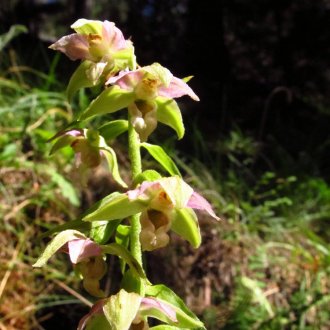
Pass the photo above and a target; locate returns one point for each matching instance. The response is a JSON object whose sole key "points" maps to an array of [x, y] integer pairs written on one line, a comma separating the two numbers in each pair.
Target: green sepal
{"points": [[122, 238], [110, 100], [87, 26], [123, 253], [101, 231], [121, 309], [97, 322], [62, 142], [79, 79], [56, 243], [113, 129], [186, 318], [159, 154], [168, 113], [148, 175], [125, 57], [113, 207], [185, 224]]}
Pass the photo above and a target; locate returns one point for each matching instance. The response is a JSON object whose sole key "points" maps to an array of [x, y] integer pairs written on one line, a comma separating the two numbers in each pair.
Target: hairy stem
{"points": [[136, 169]]}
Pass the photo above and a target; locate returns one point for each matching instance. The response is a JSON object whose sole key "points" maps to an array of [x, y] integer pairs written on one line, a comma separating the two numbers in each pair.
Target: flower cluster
{"points": [[126, 223]]}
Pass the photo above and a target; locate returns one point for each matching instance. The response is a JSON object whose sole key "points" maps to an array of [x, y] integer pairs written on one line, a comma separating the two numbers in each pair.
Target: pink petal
{"points": [[75, 46], [80, 249], [163, 307], [97, 308], [126, 79], [75, 132], [113, 36], [177, 88], [198, 202], [138, 192]]}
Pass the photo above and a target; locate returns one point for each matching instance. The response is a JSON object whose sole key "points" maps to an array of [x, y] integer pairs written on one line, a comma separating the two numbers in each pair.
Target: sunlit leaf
{"points": [[159, 154]]}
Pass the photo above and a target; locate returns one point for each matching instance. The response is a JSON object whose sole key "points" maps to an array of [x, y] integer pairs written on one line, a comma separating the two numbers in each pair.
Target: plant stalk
{"points": [[136, 169]]}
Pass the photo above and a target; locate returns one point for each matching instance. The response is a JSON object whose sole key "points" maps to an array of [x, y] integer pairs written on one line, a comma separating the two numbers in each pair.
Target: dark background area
{"points": [[258, 65]]}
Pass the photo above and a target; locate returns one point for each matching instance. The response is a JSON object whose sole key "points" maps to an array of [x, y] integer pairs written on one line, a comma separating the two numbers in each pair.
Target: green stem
{"points": [[136, 169]]}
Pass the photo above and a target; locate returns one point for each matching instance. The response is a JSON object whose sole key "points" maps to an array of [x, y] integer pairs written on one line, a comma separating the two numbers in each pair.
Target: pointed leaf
{"points": [[122, 238], [121, 309], [101, 231], [123, 253], [79, 79], [110, 100], [159, 154], [113, 129], [185, 224], [186, 318], [111, 158], [57, 242], [113, 207], [168, 113]]}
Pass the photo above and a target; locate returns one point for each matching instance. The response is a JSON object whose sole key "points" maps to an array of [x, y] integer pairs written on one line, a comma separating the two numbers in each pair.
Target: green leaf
{"points": [[113, 129], [186, 318], [56, 243], [79, 79], [159, 154], [185, 224], [123, 253], [148, 175], [168, 113], [101, 231], [132, 283], [110, 100], [122, 238], [113, 207], [111, 158], [121, 309]]}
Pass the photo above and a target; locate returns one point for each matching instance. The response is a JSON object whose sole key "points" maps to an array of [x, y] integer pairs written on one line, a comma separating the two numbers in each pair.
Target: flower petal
{"points": [[75, 46], [80, 249], [113, 36], [126, 79], [177, 88], [97, 309], [198, 202]]}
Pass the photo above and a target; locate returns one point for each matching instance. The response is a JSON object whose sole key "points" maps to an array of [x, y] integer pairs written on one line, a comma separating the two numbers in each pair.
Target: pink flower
{"points": [[100, 43], [163, 200], [94, 41], [154, 88]]}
